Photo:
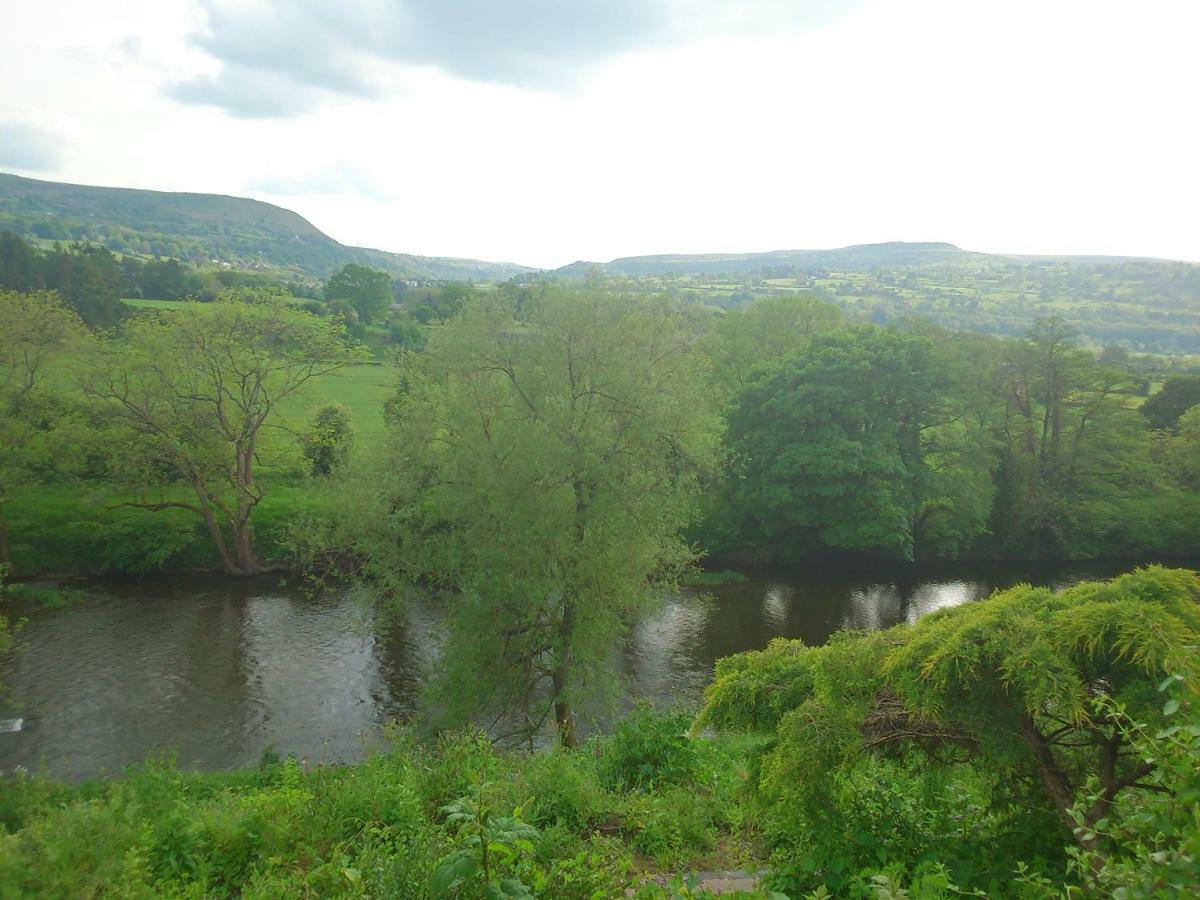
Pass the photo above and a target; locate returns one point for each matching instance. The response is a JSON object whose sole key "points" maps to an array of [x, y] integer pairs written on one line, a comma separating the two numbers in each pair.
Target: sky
{"points": [[545, 131]]}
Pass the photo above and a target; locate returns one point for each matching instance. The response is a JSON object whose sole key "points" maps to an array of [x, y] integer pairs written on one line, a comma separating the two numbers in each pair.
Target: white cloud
{"points": [[1008, 125], [342, 46]]}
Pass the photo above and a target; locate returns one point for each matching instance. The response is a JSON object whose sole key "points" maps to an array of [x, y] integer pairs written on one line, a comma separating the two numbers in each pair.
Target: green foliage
{"points": [[38, 427], [189, 396], [766, 331], [980, 736], [406, 334], [327, 444], [439, 305], [1142, 304], [1073, 446], [709, 579], [75, 530], [648, 749], [489, 848], [1178, 395], [378, 828], [546, 453], [842, 447], [367, 290], [1153, 838], [564, 790], [200, 228]]}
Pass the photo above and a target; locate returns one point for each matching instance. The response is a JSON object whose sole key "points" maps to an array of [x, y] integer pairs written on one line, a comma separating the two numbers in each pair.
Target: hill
{"points": [[205, 229], [1142, 304], [896, 253]]}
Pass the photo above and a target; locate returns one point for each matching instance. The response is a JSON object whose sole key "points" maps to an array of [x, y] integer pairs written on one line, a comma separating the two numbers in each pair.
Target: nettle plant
{"points": [[489, 846]]}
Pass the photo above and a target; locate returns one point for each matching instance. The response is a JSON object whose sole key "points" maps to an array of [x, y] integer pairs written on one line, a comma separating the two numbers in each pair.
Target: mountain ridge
{"points": [[207, 228], [852, 256]]}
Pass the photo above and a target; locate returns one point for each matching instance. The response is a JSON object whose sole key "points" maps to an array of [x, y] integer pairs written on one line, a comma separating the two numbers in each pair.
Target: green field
{"points": [[362, 389], [154, 304]]}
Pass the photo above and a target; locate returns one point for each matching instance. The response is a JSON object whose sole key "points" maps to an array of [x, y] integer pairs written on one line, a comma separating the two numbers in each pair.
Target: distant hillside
{"points": [[860, 256], [1141, 304], [205, 228]]}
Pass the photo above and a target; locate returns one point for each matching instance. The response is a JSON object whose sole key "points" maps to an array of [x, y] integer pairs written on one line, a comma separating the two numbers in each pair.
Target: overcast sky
{"points": [[544, 131]]}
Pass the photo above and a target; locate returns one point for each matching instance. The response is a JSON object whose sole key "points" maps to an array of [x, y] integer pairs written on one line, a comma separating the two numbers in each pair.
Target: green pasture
{"points": [[362, 389]]}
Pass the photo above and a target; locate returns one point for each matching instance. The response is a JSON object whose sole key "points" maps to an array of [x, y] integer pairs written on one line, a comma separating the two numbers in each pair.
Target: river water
{"points": [[218, 670]]}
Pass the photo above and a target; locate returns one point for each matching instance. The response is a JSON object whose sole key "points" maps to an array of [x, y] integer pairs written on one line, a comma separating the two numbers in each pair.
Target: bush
{"points": [[563, 789], [327, 444], [647, 749]]}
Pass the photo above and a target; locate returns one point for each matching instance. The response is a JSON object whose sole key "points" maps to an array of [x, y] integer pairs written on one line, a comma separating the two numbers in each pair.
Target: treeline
{"points": [[546, 453], [916, 442], [94, 280], [836, 440]]}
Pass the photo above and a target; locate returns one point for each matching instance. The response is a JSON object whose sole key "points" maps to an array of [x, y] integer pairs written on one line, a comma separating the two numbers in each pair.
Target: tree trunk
{"points": [[238, 560], [564, 715], [1054, 779], [243, 549]]}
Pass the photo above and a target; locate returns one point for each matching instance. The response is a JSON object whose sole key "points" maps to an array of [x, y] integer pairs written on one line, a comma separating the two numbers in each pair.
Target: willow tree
{"points": [[190, 396], [546, 454]]}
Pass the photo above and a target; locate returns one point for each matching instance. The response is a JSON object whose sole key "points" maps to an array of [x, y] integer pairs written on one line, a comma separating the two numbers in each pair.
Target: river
{"points": [[218, 670]]}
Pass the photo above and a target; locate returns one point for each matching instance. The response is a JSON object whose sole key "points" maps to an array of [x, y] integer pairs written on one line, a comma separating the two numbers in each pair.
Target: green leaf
{"points": [[1168, 681]]}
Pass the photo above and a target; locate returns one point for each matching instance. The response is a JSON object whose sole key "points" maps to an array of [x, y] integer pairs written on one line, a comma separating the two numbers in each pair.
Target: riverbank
{"points": [[882, 762], [645, 801], [87, 530]]}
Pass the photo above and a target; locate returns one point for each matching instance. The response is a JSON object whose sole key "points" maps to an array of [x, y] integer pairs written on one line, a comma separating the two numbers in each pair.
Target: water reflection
{"points": [[217, 672], [221, 670]]}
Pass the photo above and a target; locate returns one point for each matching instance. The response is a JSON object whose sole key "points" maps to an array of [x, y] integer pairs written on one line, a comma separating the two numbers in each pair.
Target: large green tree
{"points": [[191, 396], [859, 442], [546, 454], [368, 290]]}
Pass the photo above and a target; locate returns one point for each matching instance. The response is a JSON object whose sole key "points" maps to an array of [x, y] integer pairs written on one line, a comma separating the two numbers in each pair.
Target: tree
{"points": [[88, 278], [859, 443], [18, 264], [546, 454], [40, 332], [406, 334], [1178, 395], [447, 303], [1180, 450], [164, 279], [1033, 689], [327, 444], [1071, 444], [768, 329], [1114, 355], [368, 290], [197, 390]]}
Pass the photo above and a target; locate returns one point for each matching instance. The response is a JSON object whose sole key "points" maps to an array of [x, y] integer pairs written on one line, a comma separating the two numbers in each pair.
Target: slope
{"points": [[205, 229]]}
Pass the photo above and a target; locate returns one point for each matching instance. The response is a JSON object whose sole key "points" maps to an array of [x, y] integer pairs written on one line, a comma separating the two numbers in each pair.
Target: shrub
{"points": [[327, 444], [649, 748], [562, 789]]}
